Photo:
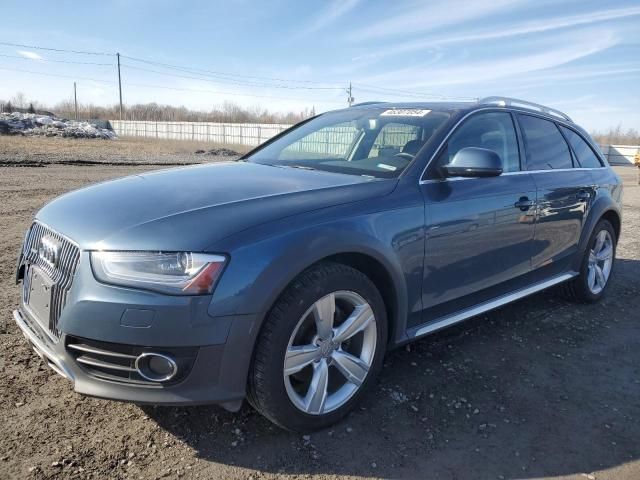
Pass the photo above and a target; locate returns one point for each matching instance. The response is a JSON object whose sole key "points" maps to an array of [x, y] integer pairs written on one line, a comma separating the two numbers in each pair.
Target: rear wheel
{"points": [[596, 268], [320, 348]]}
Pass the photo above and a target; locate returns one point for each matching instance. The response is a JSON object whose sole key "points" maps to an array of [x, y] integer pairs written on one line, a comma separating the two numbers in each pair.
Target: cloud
{"points": [[29, 55], [333, 11], [524, 28], [554, 52], [432, 15]]}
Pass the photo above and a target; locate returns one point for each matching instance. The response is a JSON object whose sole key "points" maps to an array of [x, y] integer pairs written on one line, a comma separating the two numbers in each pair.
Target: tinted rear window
{"points": [[545, 145], [586, 157]]}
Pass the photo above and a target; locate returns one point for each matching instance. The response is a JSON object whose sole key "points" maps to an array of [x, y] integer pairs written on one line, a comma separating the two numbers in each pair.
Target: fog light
{"points": [[156, 367]]}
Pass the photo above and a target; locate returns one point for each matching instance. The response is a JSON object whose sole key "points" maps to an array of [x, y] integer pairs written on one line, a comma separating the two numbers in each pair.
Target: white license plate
{"points": [[37, 295]]}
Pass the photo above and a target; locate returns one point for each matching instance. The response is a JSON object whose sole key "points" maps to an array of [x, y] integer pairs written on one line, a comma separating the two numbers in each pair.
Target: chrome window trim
{"points": [[521, 172], [497, 108]]}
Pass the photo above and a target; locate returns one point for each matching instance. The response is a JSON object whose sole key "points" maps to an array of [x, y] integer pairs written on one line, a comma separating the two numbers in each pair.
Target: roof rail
{"points": [[373, 102], [506, 101]]}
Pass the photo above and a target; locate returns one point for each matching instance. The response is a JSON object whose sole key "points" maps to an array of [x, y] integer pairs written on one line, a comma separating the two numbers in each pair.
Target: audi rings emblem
{"points": [[48, 251]]}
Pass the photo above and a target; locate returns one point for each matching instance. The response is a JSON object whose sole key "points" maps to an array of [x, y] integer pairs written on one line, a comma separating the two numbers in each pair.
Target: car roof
{"points": [[466, 107], [446, 106]]}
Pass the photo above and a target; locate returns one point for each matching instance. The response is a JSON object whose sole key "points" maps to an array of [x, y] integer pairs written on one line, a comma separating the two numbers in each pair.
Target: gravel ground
{"points": [[130, 151], [542, 388]]}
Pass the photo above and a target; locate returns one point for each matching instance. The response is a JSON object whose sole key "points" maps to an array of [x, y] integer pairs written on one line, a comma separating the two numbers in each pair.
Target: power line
{"points": [[196, 90], [55, 75], [165, 65], [57, 61], [144, 85], [226, 74], [35, 47], [221, 77], [409, 93], [227, 80]]}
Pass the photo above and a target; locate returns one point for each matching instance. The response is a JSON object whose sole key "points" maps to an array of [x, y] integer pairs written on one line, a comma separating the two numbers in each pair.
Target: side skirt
{"points": [[452, 319]]}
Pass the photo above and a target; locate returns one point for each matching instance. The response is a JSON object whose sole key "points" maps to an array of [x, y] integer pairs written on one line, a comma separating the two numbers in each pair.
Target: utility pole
{"points": [[350, 93], [75, 98], [119, 84]]}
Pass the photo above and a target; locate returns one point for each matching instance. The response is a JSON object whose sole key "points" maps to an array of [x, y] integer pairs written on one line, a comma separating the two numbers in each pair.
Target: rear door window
{"points": [[545, 145], [586, 156]]}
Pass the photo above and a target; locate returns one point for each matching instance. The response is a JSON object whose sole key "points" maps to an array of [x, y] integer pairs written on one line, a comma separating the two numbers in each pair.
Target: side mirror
{"points": [[474, 162]]}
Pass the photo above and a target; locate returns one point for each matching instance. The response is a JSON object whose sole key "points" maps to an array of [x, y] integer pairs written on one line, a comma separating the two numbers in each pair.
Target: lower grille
{"points": [[116, 362], [61, 271]]}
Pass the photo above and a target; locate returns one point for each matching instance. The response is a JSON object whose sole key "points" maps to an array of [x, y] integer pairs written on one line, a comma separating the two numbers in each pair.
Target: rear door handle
{"points": [[524, 204]]}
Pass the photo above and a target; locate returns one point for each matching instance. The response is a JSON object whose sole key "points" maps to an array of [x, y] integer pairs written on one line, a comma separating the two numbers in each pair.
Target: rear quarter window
{"points": [[546, 147], [586, 156]]}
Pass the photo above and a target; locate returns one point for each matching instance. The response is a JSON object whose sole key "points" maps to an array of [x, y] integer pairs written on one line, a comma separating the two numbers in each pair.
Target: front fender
{"points": [[262, 267]]}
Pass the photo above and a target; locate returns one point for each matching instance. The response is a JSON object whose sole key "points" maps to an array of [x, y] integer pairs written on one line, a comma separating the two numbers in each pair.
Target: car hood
{"points": [[190, 208]]}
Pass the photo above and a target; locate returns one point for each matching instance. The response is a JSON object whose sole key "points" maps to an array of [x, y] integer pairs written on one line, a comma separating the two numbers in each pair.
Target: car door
{"points": [[564, 193], [479, 230]]}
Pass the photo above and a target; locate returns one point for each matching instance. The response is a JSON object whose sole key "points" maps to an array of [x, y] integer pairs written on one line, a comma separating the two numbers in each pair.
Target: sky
{"points": [[582, 56]]}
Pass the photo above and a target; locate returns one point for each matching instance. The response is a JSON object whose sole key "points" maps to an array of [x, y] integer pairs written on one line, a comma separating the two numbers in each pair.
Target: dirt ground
{"points": [[543, 388], [124, 151]]}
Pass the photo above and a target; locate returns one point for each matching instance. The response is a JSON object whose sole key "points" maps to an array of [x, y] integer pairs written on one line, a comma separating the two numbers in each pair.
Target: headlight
{"points": [[176, 273]]}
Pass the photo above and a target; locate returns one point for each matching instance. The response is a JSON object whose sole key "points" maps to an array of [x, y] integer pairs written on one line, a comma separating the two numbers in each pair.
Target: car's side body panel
{"points": [[563, 200], [607, 201], [476, 237], [389, 230]]}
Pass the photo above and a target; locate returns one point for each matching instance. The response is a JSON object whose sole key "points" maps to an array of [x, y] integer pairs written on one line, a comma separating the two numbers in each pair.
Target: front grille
{"points": [[61, 273], [116, 362]]}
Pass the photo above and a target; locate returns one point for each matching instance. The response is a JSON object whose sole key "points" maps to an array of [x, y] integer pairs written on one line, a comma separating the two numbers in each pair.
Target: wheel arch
{"points": [[385, 276], [381, 278], [614, 219], [600, 210]]}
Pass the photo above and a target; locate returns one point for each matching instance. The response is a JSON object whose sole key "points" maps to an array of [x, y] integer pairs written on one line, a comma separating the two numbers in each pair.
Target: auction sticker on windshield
{"points": [[405, 112]]}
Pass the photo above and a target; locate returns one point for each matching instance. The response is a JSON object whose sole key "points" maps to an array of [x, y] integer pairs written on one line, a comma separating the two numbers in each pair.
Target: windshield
{"points": [[377, 142]]}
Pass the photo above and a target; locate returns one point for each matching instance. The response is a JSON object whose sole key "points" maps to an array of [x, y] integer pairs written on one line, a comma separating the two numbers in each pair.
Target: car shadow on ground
{"points": [[542, 387]]}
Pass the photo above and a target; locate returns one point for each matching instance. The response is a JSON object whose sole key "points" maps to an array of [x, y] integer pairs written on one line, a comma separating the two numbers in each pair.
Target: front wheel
{"points": [[596, 268], [320, 348]]}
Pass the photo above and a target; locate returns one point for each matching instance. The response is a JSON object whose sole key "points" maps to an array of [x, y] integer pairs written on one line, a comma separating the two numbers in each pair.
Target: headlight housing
{"points": [[176, 273]]}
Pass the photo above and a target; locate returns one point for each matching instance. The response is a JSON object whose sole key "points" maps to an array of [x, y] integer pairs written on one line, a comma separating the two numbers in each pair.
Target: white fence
{"points": [[250, 134], [253, 134], [620, 154]]}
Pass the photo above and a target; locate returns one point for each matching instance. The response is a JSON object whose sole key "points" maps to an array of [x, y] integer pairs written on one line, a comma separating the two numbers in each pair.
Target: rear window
{"points": [[545, 145], [586, 157]]}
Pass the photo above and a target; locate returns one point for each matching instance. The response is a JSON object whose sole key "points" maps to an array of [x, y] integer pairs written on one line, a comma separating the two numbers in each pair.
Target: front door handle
{"points": [[583, 195], [524, 204]]}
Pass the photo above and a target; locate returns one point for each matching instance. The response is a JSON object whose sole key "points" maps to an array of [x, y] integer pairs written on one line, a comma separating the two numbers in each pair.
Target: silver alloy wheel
{"points": [[600, 262], [330, 352]]}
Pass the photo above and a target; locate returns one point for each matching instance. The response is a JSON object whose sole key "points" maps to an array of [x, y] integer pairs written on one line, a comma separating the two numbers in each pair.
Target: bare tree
{"points": [[19, 100], [227, 112], [616, 136]]}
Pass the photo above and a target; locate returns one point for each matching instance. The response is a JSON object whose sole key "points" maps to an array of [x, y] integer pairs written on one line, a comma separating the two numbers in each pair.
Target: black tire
{"points": [[577, 290], [266, 387]]}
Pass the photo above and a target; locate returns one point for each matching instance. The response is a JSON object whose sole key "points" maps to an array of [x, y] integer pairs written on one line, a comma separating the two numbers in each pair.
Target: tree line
{"points": [[227, 112], [617, 136]]}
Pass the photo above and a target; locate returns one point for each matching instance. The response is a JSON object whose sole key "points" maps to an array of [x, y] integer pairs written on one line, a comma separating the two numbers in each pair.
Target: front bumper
{"points": [[218, 374]]}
